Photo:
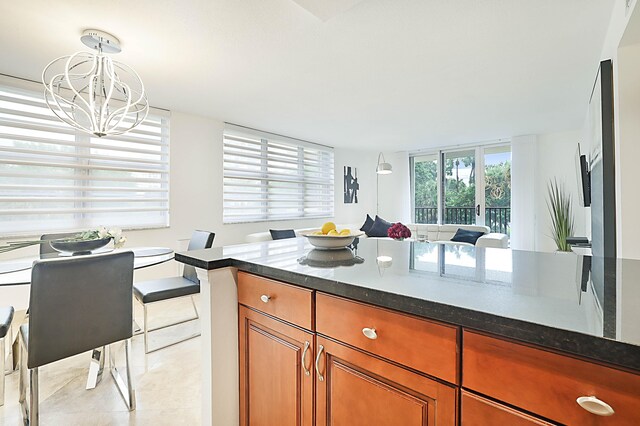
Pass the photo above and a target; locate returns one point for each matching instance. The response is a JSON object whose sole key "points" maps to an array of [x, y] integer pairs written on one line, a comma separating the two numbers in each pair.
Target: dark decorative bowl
{"points": [[78, 247]]}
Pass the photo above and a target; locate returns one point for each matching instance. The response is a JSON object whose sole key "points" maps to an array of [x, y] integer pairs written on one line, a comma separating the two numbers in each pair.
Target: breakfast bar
{"points": [[451, 332]]}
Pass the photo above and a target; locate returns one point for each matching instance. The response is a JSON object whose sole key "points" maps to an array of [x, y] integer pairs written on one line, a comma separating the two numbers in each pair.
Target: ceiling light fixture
{"points": [[92, 92]]}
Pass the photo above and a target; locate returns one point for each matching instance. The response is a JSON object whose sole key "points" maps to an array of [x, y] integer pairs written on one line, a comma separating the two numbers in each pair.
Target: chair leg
{"points": [[24, 410], [146, 330], [127, 391], [34, 414], [195, 308], [2, 358], [96, 367]]}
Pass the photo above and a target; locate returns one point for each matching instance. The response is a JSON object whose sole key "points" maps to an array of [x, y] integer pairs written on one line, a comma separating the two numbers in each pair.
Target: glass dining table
{"points": [[18, 271], [15, 277]]}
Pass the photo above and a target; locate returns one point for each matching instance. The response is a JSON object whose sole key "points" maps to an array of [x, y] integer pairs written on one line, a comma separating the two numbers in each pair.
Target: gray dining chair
{"points": [[188, 285], [6, 316], [76, 304]]}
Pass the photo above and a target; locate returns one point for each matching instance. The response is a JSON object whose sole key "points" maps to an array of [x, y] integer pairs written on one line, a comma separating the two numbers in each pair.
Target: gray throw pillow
{"points": [[282, 234], [379, 228]]}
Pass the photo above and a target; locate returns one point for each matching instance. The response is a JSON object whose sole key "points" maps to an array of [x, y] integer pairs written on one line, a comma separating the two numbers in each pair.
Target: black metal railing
{"points": [[496, 218]]}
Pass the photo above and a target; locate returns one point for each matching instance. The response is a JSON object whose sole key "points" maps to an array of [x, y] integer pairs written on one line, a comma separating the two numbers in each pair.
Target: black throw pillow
{"points": [[466, 236], [379, 228], [282, 234], [368, 223]]}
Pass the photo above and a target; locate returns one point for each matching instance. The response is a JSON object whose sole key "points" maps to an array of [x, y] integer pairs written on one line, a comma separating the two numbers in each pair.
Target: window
{"points": [[53, 178], [463, 186], [271, 177]]}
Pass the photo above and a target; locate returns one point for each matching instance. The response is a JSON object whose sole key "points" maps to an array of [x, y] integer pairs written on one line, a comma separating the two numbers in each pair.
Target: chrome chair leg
{"points": [[22, 360], [195, 308], [147, 330], [127, 391], [2, 358], [96, 367], [34, 412]]}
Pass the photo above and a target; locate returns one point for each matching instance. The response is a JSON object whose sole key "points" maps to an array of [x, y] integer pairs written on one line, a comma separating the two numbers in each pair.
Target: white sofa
{"points": [[444, 233], [432, 233]]}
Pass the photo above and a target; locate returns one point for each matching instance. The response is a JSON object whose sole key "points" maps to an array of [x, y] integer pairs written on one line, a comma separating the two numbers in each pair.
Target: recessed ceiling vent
{"points": [[327, 9]]}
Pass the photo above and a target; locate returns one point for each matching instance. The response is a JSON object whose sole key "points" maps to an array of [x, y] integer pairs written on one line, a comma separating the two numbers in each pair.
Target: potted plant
{"points": [[560, 209]]}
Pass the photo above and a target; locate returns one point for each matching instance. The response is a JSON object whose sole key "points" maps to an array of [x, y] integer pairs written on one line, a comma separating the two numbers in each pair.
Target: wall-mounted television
{"points": [[584, 178]]}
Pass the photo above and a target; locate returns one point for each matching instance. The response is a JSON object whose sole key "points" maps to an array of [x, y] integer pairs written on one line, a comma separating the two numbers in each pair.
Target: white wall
{"points": [[556, 154], [523, 189], [394, 190]]}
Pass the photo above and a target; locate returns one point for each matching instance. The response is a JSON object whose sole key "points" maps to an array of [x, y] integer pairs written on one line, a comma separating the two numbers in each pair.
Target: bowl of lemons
{"points": [[330, 238]]}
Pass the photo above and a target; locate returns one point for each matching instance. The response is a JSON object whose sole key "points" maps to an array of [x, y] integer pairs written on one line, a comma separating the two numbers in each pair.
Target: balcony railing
{"points": [[496, 218]]}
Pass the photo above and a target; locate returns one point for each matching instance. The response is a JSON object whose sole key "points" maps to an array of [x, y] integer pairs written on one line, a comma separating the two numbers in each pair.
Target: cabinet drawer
{"points": [[426, 346], [478, 411], [546, 383], [283, 301]]}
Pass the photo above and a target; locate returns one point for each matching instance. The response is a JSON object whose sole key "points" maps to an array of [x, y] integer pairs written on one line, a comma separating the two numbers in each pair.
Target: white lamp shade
{"points": [[384, 169]]}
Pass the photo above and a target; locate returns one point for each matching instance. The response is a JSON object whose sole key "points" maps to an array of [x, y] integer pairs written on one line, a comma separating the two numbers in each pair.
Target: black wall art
{"points": [[351, 185]]}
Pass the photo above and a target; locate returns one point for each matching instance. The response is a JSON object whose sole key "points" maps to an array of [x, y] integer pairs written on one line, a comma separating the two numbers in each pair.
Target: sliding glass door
{"points": [[424, 179], [496, 206], [464, 186], [459, 187]]}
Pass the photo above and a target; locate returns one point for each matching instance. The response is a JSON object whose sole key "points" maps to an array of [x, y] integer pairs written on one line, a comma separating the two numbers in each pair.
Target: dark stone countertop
{"points": [[547, 299]]}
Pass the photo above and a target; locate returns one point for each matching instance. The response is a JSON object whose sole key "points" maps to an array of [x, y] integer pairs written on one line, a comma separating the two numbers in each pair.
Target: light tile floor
{"points": [[167, 381]]}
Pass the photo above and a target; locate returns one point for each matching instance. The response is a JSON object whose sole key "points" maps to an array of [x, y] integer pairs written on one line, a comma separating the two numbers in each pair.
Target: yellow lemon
{"points": [[328, 226], [345, 232], [333, 232], [317, 233]]}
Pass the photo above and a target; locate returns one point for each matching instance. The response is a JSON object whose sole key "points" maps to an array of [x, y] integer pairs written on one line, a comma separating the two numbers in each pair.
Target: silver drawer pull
{"points": [[595, 406], [304, 359], [320, 376], [265, 298], [370, 333]]}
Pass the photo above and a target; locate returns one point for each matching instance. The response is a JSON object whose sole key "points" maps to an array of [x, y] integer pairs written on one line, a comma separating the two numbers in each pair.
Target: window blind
{"points": [[53, 178], [270, 177]]}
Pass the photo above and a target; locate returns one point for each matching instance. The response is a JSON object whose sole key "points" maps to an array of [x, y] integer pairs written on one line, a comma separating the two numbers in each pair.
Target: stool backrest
{"points": [[45, 248], [199, 240], [78, 304]]}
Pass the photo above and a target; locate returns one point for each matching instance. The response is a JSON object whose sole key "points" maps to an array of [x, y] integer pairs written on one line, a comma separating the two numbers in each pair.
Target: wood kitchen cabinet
{"points": [[276, 374], [564, 389], [478, 411], [358, 389]]}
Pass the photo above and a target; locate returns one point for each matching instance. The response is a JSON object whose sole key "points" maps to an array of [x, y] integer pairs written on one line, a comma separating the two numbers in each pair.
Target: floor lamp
{"points": [[383, 168]]}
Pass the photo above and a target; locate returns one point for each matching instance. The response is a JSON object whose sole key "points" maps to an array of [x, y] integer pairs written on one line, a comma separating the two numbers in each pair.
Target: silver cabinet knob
{"points": [[595, 406], [370, 333], [265, 298]]}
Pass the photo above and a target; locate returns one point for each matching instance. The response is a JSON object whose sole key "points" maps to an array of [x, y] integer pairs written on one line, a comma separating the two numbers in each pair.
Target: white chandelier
{"points": [[94, 93]]}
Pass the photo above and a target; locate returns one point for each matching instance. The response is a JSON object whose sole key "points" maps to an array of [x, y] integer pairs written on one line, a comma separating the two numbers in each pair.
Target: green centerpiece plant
{"points": [[561, 211]]}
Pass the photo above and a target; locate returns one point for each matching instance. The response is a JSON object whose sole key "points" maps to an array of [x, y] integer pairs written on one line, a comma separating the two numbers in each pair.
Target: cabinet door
{"points": [[275, 389], [357, 389]]}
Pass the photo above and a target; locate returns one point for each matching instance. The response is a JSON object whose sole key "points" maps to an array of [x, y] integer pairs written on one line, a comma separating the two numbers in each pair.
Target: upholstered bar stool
{"points": [[76, 304], [6, 316], [153, 291]]}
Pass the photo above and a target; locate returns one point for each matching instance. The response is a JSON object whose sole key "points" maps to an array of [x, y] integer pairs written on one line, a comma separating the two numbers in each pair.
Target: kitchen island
{"points": [[546, 301]]}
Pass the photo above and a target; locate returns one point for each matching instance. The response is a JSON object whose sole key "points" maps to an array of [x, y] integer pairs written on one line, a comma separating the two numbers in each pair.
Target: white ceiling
{"points": [[384, 74]]}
